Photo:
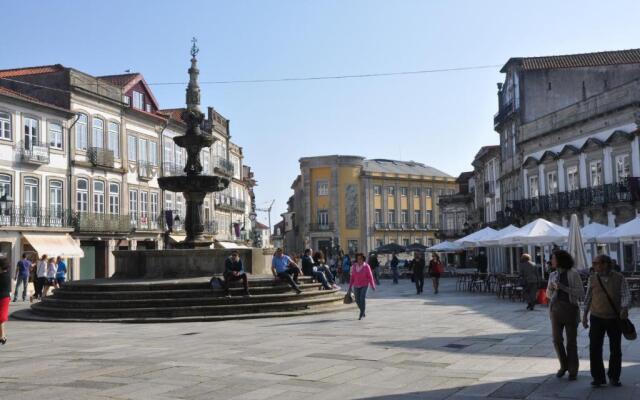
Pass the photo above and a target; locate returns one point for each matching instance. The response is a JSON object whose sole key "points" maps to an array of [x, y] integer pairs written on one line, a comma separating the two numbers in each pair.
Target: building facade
{"points": [[352, 204]]}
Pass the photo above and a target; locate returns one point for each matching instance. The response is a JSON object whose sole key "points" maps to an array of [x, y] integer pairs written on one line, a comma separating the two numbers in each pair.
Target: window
{"points": [[534, 190], [55, 135], [428, 217], [5, 125], [114, 198], [427, 192], [379, 243], [153, 156], [98, 197], [97, 136], [168, 151], [132, 148], [378, 216], [30, 133], [391, 216], [623, 167], [126, 100], [113, 142], [595, 169], [55, 197], [377, 190], [352, 245], [552, 182], [168, 201], [391, 190], [404, 216], [403, 191], [405, 242], [133, 205], [142, 151], [205, 161], [5, 185], [31, 197], [147, 108], [144, 206], [81, 132], [323, 217], [573, 180], [82, 195], [417, 217], [416, 192], [138, 100], [323, 188], [154, 205]]}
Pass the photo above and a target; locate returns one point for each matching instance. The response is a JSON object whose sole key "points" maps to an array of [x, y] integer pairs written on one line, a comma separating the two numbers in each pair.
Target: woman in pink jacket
{"points": [[361, 279]]}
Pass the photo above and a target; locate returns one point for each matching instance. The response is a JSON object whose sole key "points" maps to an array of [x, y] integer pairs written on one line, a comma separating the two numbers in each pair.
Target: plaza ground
{"points": [[449, 346]]}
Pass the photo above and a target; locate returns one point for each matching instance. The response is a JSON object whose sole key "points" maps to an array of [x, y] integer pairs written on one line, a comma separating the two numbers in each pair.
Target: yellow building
{"points": [[360, 204]]}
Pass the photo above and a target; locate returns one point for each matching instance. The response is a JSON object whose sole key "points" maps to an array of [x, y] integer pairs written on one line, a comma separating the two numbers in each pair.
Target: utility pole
{"points": [[268, 210]]}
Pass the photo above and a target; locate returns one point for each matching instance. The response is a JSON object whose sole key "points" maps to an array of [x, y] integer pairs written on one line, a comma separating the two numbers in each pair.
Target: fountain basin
{"points": [[194, 183]]}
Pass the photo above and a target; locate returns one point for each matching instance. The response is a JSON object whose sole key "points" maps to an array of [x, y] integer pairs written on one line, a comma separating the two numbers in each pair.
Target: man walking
{"points": [[394, 268], [608, 300], [530, 282], [418, 264], [283, 267], [374, 264], [22, 277]]}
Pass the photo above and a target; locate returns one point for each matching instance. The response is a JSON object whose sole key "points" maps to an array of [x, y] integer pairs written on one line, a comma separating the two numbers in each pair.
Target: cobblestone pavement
{"points": [[450, 346]]}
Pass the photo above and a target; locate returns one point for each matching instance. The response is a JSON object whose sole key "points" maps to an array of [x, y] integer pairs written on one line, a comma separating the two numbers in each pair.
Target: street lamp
{"points": [[254, 237]]}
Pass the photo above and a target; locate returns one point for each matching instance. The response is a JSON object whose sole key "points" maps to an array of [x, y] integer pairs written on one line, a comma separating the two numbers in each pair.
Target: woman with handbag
{"points": [[360, 280], [608, 300], [435, 271], [5, 296]]}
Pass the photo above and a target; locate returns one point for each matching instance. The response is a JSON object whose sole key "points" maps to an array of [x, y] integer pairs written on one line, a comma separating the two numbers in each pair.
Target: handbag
{"points": [[348, 298], [626, 326]]}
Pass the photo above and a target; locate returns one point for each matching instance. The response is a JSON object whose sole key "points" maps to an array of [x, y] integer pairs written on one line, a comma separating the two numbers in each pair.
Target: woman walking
{"points": [[608, 300], [360, 280], [435, 270], [41, 276], [564, 290], [5, 296], [51, 276]]}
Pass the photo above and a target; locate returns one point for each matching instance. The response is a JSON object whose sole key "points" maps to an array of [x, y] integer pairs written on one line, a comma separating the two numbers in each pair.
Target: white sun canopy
{"points": [[54, 245], [445, 247], [495, 239], [538, 232], [627, 232], [473, 239], [593, 230]]}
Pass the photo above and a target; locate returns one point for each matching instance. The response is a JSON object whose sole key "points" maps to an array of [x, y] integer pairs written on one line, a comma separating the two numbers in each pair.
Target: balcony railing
{"points": [[380, 226], [35, 217], [505, 111], [101, 157], [172, 169], [229, 203], [145, 171], [321, 227], [627, 190], [223, 166], [95, 222], [34, 152], [147, 222]]}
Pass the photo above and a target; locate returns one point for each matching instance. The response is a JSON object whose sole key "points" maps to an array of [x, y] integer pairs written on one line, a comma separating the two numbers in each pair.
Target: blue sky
{"points": [[438, 119]]}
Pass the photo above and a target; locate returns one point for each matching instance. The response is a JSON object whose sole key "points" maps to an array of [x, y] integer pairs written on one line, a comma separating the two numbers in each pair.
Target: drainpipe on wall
{"points": [[73, 269]]}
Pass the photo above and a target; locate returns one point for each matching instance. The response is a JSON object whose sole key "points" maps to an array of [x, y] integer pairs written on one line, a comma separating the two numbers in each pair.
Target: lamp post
{"points": [[254, 238]]}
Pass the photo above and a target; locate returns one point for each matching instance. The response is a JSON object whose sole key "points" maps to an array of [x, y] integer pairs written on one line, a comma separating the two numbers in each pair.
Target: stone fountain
{"points": [[194, 185]]}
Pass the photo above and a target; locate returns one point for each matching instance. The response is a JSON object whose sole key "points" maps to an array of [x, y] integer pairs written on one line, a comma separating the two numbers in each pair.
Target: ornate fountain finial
{"points": [[194, 47]]}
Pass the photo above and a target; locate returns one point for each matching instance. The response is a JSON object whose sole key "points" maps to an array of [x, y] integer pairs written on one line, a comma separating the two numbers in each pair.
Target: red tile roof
{"points": [[44, 69], [119, 80], [618, 57], [173, 113], [17, 95]]}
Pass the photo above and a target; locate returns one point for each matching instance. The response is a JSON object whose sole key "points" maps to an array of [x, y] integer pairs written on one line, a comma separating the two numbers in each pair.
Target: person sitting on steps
{"points": [[283, 267], [234, 271]]}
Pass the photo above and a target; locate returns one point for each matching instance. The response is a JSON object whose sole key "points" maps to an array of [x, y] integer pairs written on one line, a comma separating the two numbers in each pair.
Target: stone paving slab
{"points": [[455, 346]]}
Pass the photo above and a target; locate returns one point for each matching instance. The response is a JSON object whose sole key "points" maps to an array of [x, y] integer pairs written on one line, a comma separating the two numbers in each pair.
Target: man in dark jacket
{"points": [[234, 271], [418, 265], [374, 264], [530, 281], [394, 268], [307, 263]]}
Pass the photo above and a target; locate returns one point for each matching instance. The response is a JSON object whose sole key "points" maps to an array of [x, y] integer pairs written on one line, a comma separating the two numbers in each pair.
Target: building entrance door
{"points": [[88, 263]]}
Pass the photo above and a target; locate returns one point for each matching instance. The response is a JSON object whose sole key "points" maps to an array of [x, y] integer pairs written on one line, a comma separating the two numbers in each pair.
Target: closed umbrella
{"points": [[575, 246]]}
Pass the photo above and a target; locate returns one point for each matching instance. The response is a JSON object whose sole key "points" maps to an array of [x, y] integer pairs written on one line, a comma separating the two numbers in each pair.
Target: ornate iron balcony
{"points": [[35, 217], [34, 152], [223, 166], [95, 222], [101, 157], [321, 227], [145, 171]]}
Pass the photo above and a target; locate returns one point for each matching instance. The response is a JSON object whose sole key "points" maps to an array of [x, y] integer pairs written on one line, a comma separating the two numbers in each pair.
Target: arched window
{"points": [[81, 132], [82, 195], [114, 139], [30, 197], [5, 185], [97, 138], [5, 125], [98, 197], [114, 198], [55, 197]]}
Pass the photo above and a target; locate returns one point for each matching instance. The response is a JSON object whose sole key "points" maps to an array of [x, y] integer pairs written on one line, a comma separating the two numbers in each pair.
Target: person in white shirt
{"points": [[52, 268], [41, 277]]}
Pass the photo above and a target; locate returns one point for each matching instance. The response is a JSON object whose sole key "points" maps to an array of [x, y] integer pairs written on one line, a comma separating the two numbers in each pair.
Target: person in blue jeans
{"points": [[61, 272], [22, 277], [283, 268], [346, 268]]}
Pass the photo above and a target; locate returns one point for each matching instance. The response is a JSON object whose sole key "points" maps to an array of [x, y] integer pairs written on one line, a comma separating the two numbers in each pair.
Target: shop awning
{"points": [[54, 245], [231, 245], [178, 238]]}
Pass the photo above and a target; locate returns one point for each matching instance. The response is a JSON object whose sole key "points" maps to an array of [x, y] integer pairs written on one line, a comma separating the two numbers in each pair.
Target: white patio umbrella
{"points": [[575, 247], [592, 231], [445, 247], [538, 232], [494, 240], [473, 239], [627, 232]]}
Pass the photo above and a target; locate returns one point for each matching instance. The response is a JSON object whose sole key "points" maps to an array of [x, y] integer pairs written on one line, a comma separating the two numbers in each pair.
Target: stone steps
{"points": [[104, 300]]}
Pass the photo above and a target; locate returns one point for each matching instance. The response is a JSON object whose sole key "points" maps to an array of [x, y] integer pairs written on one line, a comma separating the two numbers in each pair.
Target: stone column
{"points": [[133, 244], [582, 169], [561, 183], [111, 261], [525, 185], [635, 157], [542, 187], [607, 167]]}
